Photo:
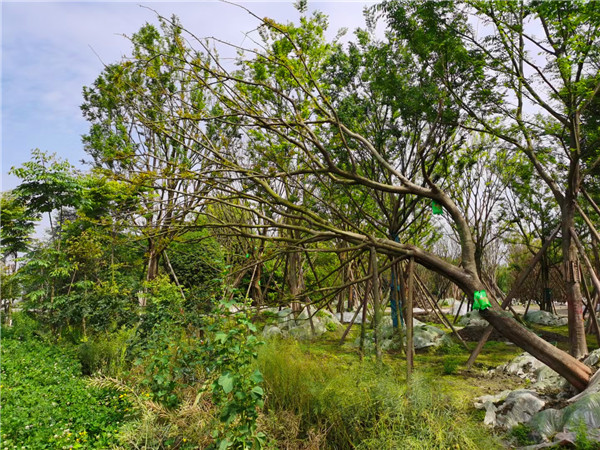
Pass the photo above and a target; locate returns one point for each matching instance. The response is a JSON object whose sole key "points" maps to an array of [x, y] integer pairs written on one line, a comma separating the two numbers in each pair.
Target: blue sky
{"points": [[50, 50]]}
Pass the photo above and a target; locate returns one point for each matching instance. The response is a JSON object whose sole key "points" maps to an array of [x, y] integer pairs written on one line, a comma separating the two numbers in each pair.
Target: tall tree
{"points": [[545, 59], [142, 133]]}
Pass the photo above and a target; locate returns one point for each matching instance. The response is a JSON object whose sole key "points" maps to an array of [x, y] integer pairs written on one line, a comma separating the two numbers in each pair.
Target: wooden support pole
{"points": [[358, 310], [410, 348], [439, 313], [508, 299], [376, 303]]}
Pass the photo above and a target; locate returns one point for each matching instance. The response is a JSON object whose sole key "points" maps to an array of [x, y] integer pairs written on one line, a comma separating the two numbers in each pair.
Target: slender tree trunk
{"points": [[153, 260], [295, 279], [376, 303], [577, 338], [408, 314]]}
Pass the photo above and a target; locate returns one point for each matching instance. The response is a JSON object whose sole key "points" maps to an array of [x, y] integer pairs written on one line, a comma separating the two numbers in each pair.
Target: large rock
{"points": [[509, 408], [464, 308], [428, 336], [346, 317], [545, 318], [472, 319], [524, 366], [519, 407], [593, 359], [548, 381], [585, 412], [271, 331], [304, 331], [327, 318], [423, 335]]}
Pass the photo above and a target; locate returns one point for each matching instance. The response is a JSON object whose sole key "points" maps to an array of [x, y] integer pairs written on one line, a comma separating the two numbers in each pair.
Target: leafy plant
{"points": [[229, 351], [46, 403]]}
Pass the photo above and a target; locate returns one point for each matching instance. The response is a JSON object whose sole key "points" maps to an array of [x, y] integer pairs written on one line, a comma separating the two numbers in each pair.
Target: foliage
{"points": [[228, 352], [522, 433], [169, 362], [46, 403], [105, 352]]}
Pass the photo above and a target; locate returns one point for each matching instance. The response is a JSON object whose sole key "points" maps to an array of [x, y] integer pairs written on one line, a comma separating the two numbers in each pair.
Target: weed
{"points": [[522, 433]]}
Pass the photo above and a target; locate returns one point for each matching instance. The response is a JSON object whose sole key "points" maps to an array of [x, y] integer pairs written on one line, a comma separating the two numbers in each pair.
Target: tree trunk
{"points": [[576, 373], [408, 314], [295, 278], [153, 260], [577, 338]]}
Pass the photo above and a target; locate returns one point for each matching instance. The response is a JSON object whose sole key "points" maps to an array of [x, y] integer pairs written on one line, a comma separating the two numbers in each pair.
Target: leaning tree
{"points": [[282, 92]]}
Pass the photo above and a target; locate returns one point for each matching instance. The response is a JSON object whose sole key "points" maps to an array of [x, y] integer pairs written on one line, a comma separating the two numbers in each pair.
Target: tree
{"points": [[142, 132], [282, 93], [545, 56]]}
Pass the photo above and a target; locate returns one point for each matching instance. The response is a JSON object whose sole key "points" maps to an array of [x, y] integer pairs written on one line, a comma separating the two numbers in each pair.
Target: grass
{"points": [[343, 402]]}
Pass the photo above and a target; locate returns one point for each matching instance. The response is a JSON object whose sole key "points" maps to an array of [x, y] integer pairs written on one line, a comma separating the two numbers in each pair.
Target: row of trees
{"points": [[308, 154]]}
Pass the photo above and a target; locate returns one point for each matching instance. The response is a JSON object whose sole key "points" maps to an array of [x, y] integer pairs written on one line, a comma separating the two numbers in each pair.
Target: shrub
{"points": [[105, 353]]}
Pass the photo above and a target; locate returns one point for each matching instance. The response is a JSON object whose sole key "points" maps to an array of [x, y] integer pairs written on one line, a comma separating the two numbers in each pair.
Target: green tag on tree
{"points": [[480, 301], [436, 208]]}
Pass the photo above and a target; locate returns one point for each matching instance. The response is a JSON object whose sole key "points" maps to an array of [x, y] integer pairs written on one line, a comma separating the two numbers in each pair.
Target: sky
{"points": [[50, 50]]}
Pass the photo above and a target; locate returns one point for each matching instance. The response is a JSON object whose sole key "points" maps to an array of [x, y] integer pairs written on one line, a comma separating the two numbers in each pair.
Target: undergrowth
{"points": [[332, 403], [47, 404]]}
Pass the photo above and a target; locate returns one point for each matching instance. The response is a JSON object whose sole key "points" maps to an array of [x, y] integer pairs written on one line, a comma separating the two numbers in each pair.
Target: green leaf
{"points": [[225, 443], [221, 337], [226, 382], [257, 377], [258, 391]]}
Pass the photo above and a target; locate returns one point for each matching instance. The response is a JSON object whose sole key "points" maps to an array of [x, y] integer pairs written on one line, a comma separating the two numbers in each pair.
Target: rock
{"points": [[593, 359], [304, 331], [419, 312], [519, 407], [524, 366], [328, 316], [548, 380], [545, 318], [423, 336], [271, 331], [489, 402], [428, 336], [472, 319], [584, 412], [346, 317], [480, 402], [464, 308], [592, 388], [490, 414]]}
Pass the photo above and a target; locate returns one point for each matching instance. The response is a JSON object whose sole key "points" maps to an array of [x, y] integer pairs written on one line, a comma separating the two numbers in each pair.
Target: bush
{"points": [[105, 353]]}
